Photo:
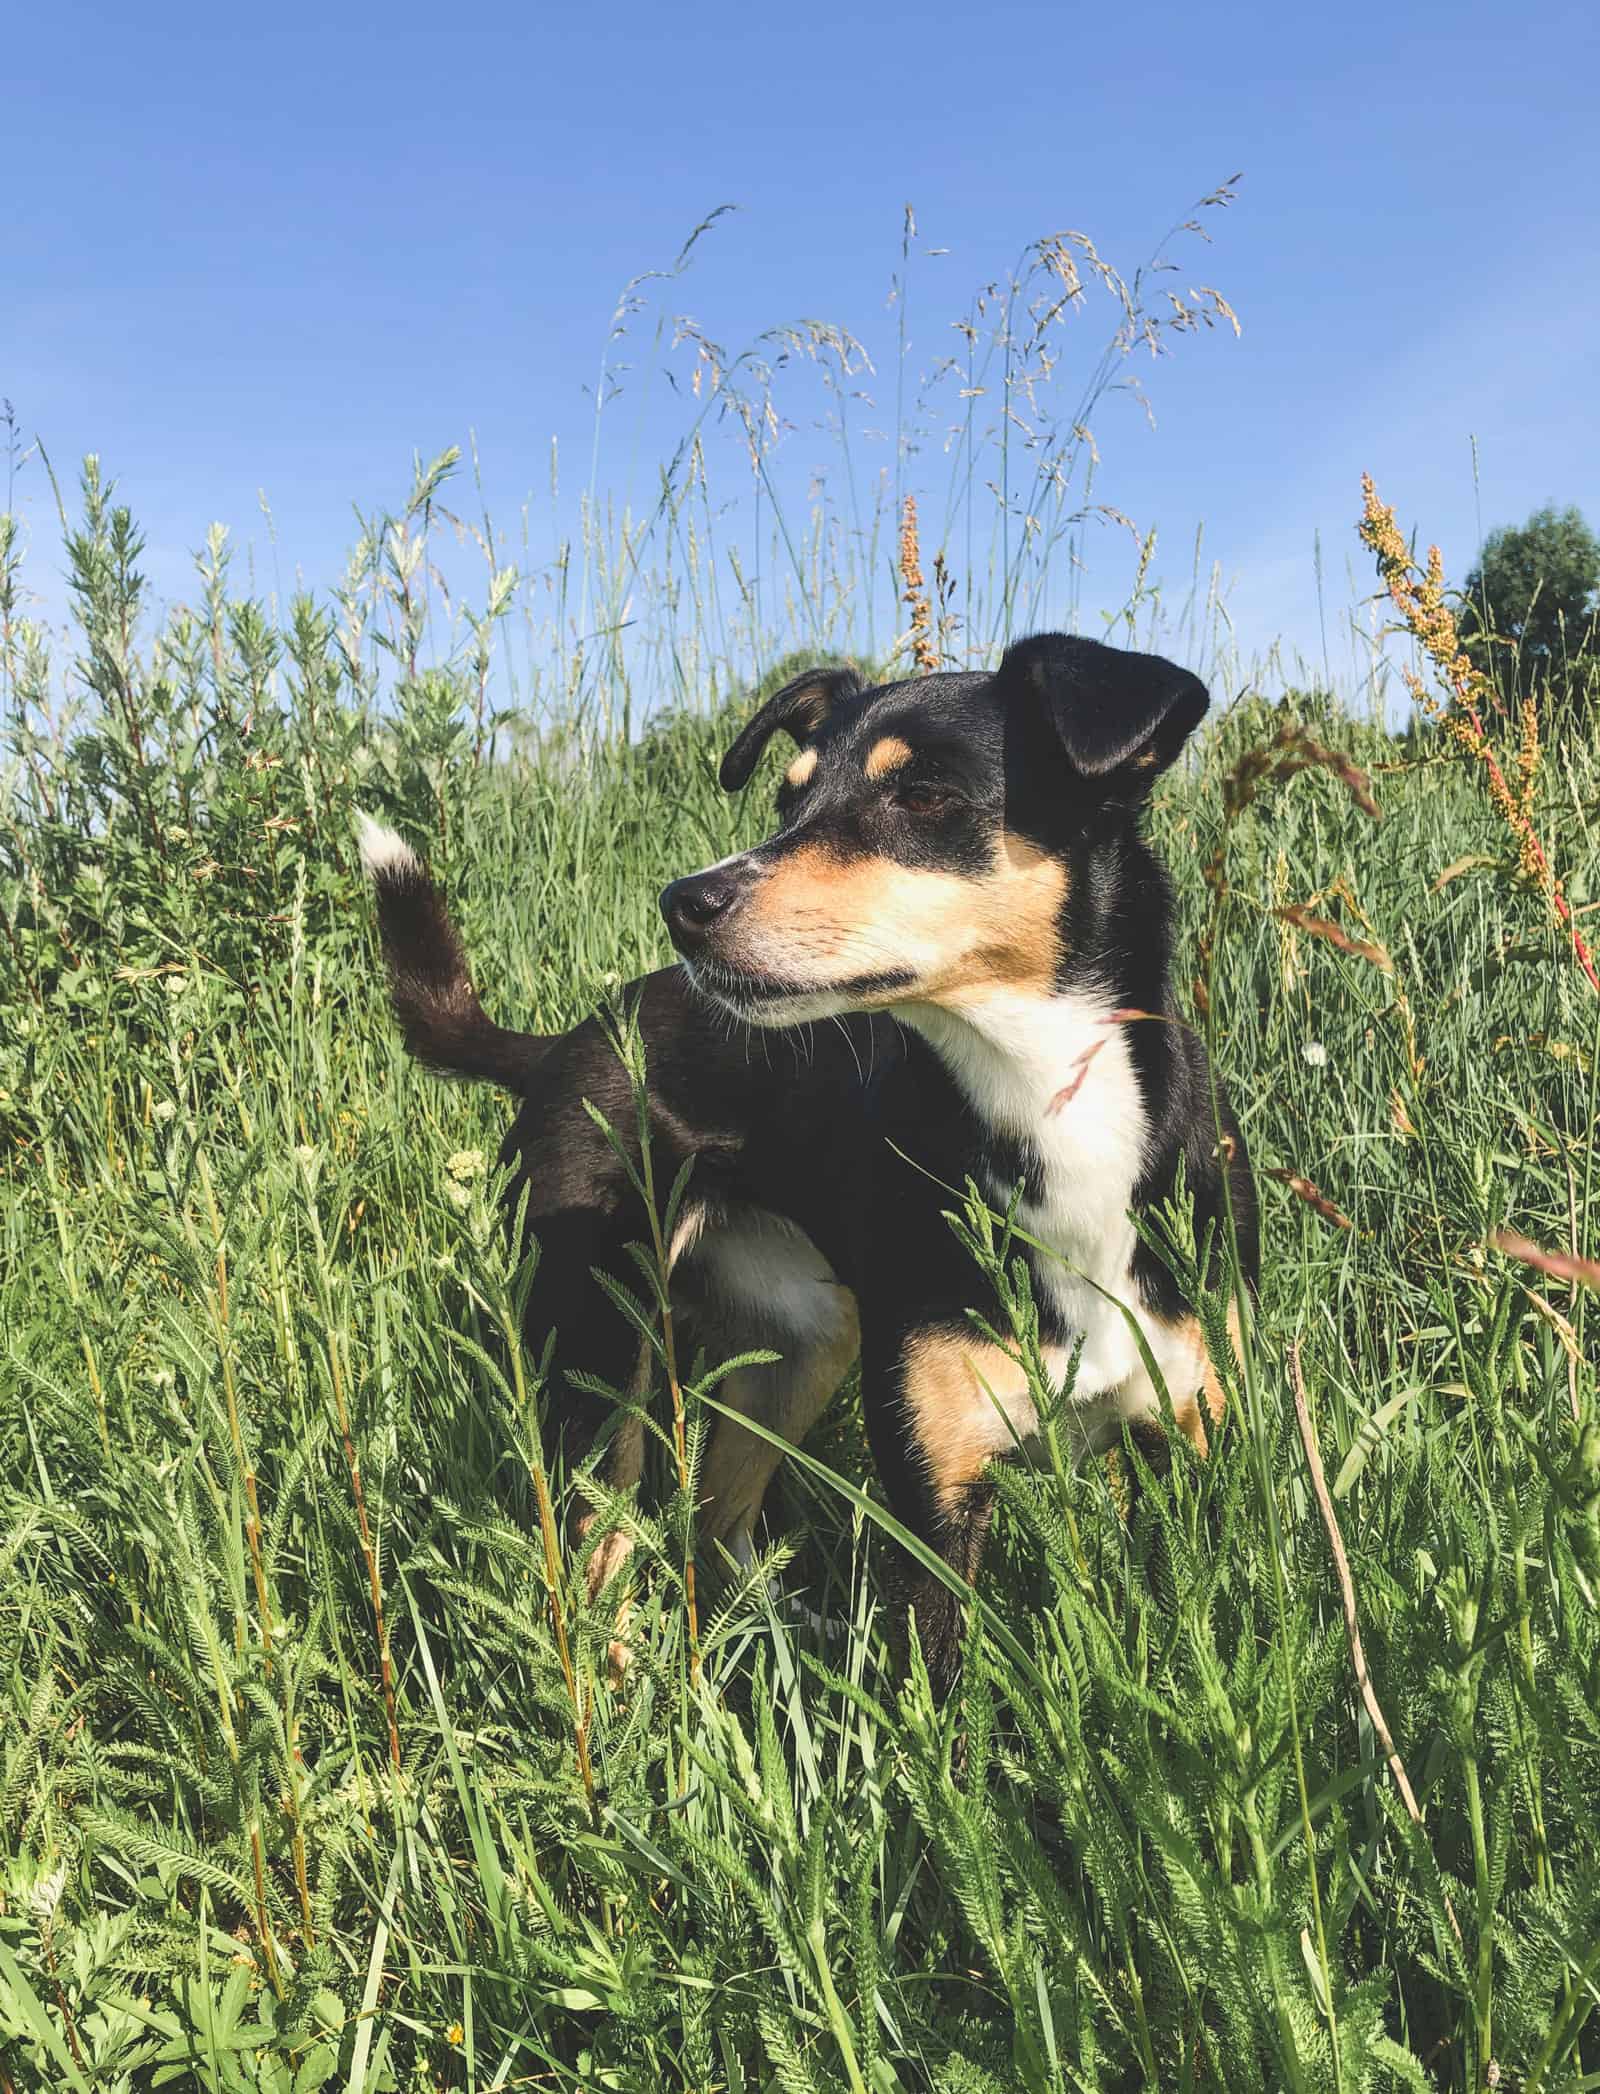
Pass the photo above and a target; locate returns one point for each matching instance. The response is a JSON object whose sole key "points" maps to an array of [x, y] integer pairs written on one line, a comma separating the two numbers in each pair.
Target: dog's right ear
{"points": [[1121, 717], [799, 709]]}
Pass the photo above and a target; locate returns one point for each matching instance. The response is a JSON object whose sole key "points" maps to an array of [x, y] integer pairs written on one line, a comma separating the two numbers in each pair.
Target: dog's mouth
{"points": [[767, 999]]}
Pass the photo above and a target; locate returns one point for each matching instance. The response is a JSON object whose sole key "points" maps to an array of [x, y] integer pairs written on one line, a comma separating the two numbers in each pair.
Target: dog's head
{"points": [[930, 833]]}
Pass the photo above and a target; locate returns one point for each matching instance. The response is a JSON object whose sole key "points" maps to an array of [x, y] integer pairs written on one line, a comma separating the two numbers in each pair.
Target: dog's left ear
{"points": [[799, 710], [1114, 711]]}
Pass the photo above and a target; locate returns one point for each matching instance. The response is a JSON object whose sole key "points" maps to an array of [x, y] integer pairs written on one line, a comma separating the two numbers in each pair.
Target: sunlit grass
{"points": [[301, 1787]]}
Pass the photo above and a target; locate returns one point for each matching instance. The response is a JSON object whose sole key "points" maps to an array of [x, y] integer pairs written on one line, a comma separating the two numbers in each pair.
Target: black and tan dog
{"points": [[959, 882]]}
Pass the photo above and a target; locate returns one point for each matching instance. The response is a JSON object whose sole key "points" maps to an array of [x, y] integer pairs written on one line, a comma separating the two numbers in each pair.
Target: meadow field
{"points": [[311, 1771]]}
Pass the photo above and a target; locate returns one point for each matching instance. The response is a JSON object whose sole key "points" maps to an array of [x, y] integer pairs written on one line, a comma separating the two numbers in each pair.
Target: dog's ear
{"points": [[799, 709], [1115, 712]]}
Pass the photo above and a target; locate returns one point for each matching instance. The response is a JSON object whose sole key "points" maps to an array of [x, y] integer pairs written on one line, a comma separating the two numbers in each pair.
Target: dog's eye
{"points": [[924, 799]]}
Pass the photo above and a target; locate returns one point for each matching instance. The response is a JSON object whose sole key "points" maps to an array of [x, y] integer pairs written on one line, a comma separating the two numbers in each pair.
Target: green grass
{"points": [[250, 1255]]}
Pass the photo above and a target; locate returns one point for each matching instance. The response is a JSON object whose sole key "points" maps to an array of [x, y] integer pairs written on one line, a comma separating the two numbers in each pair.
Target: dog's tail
{"points": [[429, 985]]}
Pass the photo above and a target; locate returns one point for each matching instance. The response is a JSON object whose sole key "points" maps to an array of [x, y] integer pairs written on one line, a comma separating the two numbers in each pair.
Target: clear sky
{"points": [[281, 251]]}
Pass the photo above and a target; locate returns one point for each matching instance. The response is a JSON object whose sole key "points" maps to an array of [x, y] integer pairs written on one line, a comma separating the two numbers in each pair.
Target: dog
{"points": [[951, 960]]}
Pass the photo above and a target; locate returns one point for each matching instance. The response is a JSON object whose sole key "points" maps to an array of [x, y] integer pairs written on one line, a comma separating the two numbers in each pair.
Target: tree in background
{"points": [[1532, 604]]}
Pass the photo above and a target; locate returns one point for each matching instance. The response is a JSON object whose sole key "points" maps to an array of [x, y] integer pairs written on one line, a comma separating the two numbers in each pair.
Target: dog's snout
{"points": [[693, 906]]}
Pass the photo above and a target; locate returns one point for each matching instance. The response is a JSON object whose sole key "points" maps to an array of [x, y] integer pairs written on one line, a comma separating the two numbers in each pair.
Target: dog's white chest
{"points": [[1090, 1148], [1056, 1074]]}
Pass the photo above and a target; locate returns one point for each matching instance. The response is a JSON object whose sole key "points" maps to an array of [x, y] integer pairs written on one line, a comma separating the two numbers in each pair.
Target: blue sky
{"points": [[280, 252]]}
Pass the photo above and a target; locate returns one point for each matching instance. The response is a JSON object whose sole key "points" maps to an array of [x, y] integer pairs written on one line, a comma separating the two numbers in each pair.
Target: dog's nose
{"points": [[693, 906]]}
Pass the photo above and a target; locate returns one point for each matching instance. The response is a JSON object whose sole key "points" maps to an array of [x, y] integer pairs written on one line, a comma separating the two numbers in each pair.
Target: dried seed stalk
{"points": [[1313, 1196], [1418, 596], [1347, 1597], [924, 647]]}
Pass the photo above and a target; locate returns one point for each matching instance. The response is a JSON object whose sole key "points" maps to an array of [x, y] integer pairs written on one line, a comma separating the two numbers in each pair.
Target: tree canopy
{"points": [[1535, 590]]}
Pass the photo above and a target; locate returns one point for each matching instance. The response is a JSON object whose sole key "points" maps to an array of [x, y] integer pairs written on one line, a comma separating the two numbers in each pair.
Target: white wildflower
{"points": [[1315, 1054], [46, 1894]]}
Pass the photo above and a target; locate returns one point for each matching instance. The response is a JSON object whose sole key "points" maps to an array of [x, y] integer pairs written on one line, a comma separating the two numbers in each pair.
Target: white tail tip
{"points": [[383, 850]]}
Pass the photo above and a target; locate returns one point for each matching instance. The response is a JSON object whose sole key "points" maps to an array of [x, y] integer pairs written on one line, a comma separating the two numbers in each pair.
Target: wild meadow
{"points": [[1280, 1770]]}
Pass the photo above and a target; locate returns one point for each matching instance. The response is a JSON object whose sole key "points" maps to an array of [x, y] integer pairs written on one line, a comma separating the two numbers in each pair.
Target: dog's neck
{"points": [[1056, 1074], [1026, 1061]]}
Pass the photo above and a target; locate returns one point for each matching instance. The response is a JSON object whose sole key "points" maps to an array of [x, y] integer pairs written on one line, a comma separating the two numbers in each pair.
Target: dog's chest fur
{"points": [[1049, 1086], [1053, 1080]]}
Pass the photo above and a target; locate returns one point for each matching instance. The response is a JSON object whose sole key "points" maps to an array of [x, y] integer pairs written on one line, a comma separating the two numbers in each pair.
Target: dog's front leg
{"points": [[940, 1404]]}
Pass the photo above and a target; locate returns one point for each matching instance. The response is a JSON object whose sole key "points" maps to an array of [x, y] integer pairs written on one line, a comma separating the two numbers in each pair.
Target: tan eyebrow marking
{"points": [[802, 767], [890, 754]]}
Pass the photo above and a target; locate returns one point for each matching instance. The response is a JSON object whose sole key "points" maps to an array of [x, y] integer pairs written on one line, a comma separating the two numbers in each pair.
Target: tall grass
{"points": [[314, 1773]]}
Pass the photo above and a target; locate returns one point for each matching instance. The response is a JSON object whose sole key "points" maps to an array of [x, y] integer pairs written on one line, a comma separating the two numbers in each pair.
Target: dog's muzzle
{"points": [[695, 907]]}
